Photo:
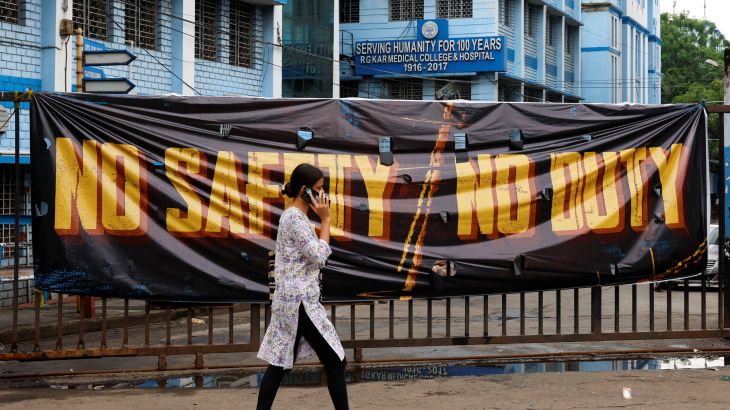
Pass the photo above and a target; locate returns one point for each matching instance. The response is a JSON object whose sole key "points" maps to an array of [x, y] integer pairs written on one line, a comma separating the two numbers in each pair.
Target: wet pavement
{"points": [[313, 377]]}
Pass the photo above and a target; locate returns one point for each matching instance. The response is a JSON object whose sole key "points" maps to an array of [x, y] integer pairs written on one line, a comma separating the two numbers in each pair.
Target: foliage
{"points": [[687, 76], [687, 45]]}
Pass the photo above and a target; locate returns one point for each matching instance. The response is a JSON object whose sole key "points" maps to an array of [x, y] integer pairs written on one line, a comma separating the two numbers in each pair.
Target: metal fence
{"points": [[119, 328], [140, 328]]}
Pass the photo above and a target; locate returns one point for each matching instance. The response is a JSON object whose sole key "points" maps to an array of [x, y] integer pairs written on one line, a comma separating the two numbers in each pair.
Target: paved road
{"points": [[670, 389]]}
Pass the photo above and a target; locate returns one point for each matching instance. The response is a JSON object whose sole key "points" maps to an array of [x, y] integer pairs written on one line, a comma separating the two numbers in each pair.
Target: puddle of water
{"points": [[370, 373], [428, 371]]}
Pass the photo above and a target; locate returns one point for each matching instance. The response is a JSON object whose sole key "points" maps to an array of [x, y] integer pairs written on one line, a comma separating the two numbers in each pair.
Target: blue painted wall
{"points": [[149, 76], [529, 62], [22, 65], [20, 68], [374, 25], [637, 51], [220, 78]]}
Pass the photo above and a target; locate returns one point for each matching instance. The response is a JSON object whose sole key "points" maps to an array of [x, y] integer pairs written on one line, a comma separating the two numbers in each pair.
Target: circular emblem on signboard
{"points": [[430, 30]]}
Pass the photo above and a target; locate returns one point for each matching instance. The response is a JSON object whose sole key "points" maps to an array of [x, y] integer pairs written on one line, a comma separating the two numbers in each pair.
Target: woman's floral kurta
{"points": [[299, 257]]}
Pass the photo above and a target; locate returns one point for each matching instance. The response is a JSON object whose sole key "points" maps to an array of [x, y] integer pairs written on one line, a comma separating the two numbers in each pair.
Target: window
{"points": [[7, 236], [206, 29], [90, 16], [7, 208], [349, 11], [509, 91], [455, 89], [614, 32], [530, 20], [551, 31], [637, 49], [453, 9], [241, 24], [507, 12], [406, 10], [406, 89], [7, 192], [10, 11], [614, 79], [569, 40], [554, 98], [533, 95], [348, 89], [140, 17]]}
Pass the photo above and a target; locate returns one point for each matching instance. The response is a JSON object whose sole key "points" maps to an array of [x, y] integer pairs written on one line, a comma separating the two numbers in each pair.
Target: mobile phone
{"points": [[309, 191]]}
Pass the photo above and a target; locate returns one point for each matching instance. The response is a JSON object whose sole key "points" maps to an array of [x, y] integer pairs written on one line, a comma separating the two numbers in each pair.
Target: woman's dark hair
{"points": [[303, 175]]}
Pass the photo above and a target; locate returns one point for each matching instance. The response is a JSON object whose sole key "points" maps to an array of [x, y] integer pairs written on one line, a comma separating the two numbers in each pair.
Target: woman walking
{"points": [[299, 326]]}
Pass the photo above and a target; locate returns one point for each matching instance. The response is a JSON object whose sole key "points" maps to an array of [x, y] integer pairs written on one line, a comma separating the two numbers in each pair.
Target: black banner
{"points": [[178, 198]]}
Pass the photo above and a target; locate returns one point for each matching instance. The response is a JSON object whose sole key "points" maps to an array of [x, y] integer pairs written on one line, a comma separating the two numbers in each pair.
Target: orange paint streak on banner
{"points": [[430, 186]]}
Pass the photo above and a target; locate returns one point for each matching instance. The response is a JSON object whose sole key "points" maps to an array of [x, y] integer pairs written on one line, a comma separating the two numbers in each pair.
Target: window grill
{"points": [[7, 208], [7, 237], [614, 32], [206, 29], [507, 12], [241, 24], [569, 40], [533, 95], [507, 91], [7, 195], [10, 11], [453, 9], [349, 11], [140, 18], [554, 98], [406, 10], [348, 89], [456, 89], [302, 9], [530, 20], [551, 31], [7, 192], [406, 89], [91, 16]]}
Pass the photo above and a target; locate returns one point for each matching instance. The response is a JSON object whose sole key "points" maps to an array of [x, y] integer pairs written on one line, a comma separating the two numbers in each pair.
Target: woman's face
{"points": [[319, 186]]}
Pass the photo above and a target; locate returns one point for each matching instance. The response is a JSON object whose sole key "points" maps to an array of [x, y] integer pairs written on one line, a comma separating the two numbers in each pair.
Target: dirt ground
{"points": [[668, 389]]}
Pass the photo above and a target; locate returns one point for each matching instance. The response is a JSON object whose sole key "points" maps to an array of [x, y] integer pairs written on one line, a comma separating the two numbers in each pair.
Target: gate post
{"points": [[16, 251], [596, 310], [724, 200], [255, 318]]}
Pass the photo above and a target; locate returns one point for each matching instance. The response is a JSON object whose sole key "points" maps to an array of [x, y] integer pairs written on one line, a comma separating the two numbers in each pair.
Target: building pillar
{"points": [[560, 59], [56, 62], [429, 89], [541, 45], [519, 64], [578, 64], [659, 75], [336, 51], [272, 17], [429, 9], [645, 71], [626, 77], [183, 47]]}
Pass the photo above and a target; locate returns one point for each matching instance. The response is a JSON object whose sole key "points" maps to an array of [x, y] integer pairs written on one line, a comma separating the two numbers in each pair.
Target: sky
{"points": [[718, 11]]}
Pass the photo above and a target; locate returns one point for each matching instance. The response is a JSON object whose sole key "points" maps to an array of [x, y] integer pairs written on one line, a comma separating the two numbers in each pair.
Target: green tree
{"points": [[687, 77], [688, 44]]}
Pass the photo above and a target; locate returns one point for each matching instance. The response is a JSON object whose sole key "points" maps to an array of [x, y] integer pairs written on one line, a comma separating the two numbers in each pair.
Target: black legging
{"points": [[334, 367]]}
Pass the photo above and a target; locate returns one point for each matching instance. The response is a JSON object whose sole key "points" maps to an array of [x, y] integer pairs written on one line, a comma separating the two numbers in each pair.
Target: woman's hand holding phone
{"points": [[320, 205]]}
